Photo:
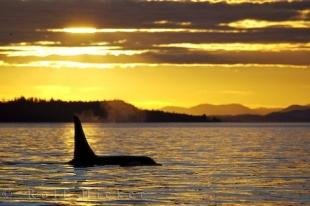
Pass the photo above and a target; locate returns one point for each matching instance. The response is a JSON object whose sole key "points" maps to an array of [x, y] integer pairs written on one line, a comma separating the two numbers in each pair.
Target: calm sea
{"points": [[202, 164]]}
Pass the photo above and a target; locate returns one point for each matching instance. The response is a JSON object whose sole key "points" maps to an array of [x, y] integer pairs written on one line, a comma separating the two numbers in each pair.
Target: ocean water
{"points": [[202, 164]]}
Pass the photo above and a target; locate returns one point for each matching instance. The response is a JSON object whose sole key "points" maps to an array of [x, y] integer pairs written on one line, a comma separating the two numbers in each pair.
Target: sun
{"points": [[80, 30]]}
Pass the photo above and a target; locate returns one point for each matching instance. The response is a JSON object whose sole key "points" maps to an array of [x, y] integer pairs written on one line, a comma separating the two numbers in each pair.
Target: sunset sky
{"points": [[155, 53]]}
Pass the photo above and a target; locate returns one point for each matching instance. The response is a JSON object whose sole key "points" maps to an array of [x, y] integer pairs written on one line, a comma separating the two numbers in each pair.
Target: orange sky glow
{"points": [[254, 59]]}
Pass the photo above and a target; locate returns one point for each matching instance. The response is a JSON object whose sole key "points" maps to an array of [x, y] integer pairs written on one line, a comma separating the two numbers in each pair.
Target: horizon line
{"points": [[3, 100]]}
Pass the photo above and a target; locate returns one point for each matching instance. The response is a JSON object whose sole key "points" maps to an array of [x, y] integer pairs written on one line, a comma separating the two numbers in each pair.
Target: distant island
{"points": [[39, 110], [222, 109], [241, 113]]}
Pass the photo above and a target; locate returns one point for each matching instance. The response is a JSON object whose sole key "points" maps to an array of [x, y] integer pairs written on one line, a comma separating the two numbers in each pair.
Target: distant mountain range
{"points": [[281, 116], [240, 113], [229, 109]]}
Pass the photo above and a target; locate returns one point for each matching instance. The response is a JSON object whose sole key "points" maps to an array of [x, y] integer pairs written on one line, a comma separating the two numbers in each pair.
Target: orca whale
{"points": [[84, 156]]}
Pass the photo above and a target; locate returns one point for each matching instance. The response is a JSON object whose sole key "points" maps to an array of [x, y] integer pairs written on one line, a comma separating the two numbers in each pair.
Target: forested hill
{"points": [[38, 110]]}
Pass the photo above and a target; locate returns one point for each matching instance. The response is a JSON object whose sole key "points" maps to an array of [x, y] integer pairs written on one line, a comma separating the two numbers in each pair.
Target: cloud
{"points": [[172, 23], [37, 14], [227, 1], [85, 65], [155, 32], [92, 30], [259, 47], [256, 24], [24, 49]]}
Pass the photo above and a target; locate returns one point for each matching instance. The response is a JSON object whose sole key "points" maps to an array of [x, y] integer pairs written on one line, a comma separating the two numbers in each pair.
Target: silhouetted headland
{"points": [[38, 110]]}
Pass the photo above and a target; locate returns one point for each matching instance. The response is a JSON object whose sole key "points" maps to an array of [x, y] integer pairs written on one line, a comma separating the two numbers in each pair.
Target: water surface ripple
{"points": [[203, 164]]}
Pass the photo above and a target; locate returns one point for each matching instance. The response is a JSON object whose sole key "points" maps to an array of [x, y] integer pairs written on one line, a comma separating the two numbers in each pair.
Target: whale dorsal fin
{"points": [[83, 154]]}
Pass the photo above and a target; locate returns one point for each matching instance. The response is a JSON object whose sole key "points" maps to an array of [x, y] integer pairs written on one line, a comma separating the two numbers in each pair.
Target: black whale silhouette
{"points": [[84, 156]]}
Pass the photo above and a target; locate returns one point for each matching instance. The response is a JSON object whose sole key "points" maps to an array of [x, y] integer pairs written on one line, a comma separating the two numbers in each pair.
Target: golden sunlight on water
{"points": [[203, 164]]}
